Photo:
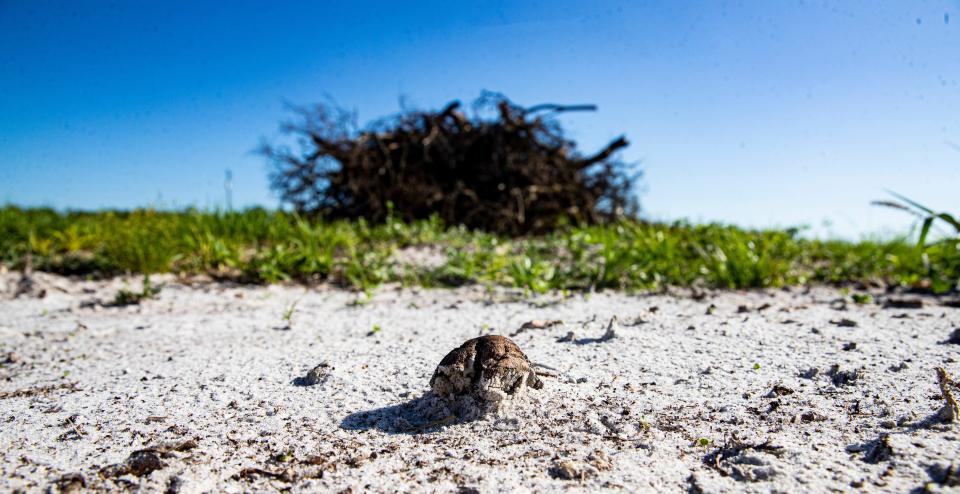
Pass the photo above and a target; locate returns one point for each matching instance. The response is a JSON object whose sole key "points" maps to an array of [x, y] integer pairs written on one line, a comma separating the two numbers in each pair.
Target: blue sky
{"points": [[762, 113]]}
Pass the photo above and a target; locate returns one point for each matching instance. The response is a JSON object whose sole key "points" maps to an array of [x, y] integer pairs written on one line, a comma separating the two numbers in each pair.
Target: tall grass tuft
{"points": [[941, 258]]}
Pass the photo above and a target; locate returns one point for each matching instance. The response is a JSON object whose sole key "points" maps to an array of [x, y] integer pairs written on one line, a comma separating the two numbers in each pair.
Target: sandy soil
{"points": [[206, 389]]}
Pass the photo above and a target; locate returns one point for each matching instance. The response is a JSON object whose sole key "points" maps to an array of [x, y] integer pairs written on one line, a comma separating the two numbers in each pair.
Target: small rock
{"points": [[781, 390], [506, 424], [845, 323], [906, 418], [568, 470], [178, 430], [843, 378], [899, 367], [139, 463], [315, 376], [811, 416], [611, 423], [888, 424], [810, 373], [849, 346], [71, 482], [600, 460], [881, 451], [903, 303]]}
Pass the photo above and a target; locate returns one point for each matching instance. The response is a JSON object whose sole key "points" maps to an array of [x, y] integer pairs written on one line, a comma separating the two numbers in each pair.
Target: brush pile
{"points": [[506, 169]]}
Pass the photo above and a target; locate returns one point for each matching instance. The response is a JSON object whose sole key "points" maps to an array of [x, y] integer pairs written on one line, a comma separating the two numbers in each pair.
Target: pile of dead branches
{"points": [[504, 169]]}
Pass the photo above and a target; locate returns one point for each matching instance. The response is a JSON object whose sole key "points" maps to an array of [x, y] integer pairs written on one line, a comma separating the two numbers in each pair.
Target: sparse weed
{"points": [[363, 298], [288, 312], [644, 424], [128, 297], [927, 215], [940, 259], [283, 457]]}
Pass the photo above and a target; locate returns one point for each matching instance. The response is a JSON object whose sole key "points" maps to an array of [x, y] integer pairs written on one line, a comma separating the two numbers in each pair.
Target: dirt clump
{"points": [[483, 375], [843, 377], [571, 470], [317, 375], [69, 483], [880, 451], [139, 463]]}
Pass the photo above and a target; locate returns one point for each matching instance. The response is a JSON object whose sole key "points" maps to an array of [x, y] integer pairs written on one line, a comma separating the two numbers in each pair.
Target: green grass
{"points": [[261, 246], [129, 297]]}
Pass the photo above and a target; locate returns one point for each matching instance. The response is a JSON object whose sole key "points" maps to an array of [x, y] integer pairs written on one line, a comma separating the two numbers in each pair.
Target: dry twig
{"points": [[951, 410]]}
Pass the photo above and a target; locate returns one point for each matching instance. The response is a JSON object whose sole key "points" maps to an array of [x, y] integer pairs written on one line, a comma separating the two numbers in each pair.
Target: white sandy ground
{"points": [[212, 363]]}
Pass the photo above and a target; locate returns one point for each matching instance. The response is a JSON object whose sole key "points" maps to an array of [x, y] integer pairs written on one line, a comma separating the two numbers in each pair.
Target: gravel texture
{"points": [[208, 388]]}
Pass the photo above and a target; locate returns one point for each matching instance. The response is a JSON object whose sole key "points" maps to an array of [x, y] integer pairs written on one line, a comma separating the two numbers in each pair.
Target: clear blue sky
{"points": [[759, 113]]}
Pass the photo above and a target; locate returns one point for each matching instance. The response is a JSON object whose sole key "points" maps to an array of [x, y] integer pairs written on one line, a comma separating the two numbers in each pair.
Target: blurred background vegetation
{"points": [[443, 198], [262, 246]]}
